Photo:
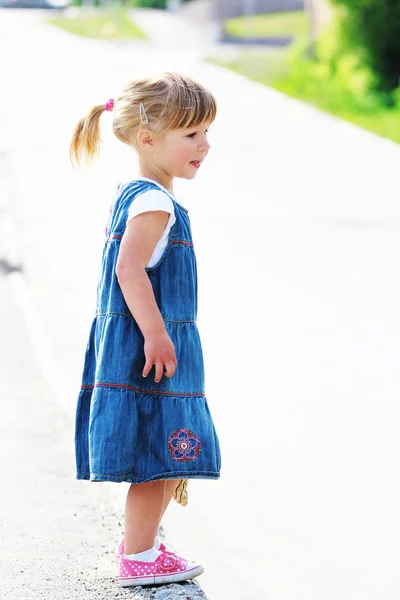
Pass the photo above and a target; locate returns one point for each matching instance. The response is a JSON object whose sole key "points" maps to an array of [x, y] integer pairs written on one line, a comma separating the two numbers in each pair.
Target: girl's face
{"points": [[180, 153]]}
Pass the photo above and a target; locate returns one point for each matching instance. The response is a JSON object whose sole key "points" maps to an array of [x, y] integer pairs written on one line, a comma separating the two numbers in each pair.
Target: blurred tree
{"points": [[373, 26], [151, 3]]}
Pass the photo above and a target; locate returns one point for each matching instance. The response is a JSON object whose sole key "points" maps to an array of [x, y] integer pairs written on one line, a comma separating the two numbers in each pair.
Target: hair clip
{"points": [[110, 104], [143, 115]]}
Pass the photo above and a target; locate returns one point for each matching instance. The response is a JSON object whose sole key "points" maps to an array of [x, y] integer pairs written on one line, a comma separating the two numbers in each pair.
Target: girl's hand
{"points": [[159, 351]]}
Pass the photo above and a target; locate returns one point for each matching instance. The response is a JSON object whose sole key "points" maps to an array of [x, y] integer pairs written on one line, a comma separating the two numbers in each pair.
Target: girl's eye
{"points": [[192, 135]]}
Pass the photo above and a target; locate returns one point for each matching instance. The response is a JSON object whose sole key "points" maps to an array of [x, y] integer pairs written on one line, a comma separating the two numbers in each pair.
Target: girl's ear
{"points": [[145, 139]]}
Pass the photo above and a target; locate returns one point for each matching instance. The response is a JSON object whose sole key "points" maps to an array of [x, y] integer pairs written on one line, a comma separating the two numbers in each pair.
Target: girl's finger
{"points": [[169, 369], [147, 368], [159, 372]]}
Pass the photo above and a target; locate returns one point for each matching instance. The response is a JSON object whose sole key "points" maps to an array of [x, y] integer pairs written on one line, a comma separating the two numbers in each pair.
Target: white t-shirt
{"points": [[151, 201]]}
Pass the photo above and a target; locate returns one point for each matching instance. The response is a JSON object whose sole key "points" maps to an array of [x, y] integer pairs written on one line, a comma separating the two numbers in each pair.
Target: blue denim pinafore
{"points": [[130, 428]]}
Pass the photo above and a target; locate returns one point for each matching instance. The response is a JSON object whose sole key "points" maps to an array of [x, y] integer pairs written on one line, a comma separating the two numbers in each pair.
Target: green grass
{"points": [[293, 23], [272, 69], [261, 64], [104, 24]]}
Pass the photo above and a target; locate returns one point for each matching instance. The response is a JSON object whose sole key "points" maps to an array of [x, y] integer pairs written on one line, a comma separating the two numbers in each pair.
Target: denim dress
{"points": [[130, 428]]}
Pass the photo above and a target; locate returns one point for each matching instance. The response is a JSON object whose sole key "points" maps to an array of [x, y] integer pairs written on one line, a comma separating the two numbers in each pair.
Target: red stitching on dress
{"points": [[181, 242], [136, 389], [114, 237]]}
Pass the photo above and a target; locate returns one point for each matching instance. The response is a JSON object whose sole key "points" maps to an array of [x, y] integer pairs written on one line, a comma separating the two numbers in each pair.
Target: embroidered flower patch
{"points": [[183, 445]]}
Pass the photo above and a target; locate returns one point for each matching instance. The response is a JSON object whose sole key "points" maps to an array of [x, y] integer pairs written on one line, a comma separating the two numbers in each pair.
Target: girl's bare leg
{"points": [[145, 506]]}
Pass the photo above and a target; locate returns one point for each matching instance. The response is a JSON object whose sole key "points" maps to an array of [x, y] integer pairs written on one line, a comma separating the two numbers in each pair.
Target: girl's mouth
{"points": [[195, 163]]}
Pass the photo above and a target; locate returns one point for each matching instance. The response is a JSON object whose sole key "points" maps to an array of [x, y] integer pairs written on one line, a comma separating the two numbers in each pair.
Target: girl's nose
{"points": [[204, 146]]}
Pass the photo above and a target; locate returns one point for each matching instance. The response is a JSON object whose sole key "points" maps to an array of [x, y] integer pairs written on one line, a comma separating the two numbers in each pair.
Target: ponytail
{"points": [[85, 143]]}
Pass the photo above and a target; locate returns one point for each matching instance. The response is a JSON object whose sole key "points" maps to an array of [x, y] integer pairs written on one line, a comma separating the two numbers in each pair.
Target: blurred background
{"points": [[296, 222], [339, 55]]}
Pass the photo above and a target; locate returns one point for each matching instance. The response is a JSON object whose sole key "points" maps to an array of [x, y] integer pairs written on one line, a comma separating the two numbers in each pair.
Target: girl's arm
{"points": [[137, 245]]}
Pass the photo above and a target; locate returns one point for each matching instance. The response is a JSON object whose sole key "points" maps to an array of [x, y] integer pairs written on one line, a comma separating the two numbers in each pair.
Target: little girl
{"points": [[142, 415]]}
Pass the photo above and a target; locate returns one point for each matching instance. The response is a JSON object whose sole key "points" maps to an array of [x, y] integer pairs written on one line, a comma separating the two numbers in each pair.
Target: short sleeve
{"points": [[151, 201]]}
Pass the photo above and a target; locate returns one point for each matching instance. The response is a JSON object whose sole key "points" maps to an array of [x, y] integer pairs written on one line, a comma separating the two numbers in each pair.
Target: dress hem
{"points": [[125, 386], [160, 476]]}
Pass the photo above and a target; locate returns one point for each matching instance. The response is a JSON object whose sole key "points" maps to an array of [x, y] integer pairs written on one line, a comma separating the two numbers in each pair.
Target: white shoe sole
{"points": [[158, 579]]}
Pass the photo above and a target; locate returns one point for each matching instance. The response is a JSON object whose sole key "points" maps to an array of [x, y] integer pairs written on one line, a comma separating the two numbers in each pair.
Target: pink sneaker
{"points": [[120, 551], [168, 568]]}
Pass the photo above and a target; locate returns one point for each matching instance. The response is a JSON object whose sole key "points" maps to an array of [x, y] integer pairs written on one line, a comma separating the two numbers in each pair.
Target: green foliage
{"points": [[339, 67], [151, 3], [372, 27]]}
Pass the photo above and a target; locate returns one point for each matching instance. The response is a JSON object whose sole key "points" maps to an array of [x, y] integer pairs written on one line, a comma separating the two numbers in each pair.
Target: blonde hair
{"points": [[171, 101]]}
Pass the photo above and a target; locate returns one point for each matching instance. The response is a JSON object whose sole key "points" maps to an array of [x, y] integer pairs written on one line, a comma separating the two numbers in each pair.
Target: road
{"points": [[296, 224]]}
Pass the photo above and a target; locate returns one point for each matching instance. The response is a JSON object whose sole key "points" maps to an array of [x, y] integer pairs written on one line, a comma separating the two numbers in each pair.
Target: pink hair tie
{"points": [[110, 104]]}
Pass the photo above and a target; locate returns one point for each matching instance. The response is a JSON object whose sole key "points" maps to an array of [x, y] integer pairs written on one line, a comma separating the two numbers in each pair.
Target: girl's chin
{"points": [[191, 175], [188, 174]]}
